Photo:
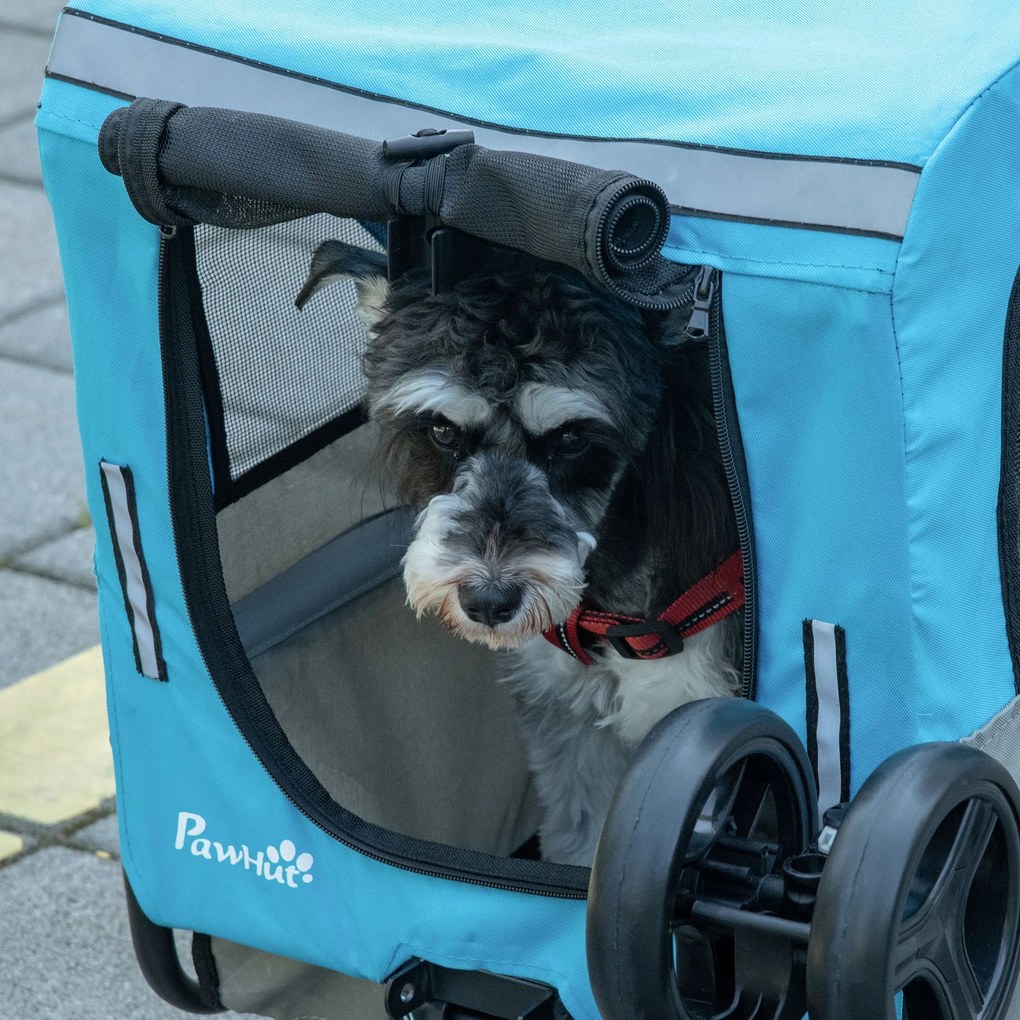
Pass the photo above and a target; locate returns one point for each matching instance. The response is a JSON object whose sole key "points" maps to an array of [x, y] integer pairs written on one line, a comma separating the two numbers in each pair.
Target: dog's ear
{"points": [[335, 259]]}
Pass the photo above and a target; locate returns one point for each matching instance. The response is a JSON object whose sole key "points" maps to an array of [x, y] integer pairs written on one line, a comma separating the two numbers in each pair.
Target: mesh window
{"points": [[279, 384]]}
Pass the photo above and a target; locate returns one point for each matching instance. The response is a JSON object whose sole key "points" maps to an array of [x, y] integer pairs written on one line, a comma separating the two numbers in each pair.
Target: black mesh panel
{"points": [[280, 384]]}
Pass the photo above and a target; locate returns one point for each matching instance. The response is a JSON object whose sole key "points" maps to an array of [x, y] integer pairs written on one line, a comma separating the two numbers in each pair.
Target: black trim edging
{"points": [[194, 522]]}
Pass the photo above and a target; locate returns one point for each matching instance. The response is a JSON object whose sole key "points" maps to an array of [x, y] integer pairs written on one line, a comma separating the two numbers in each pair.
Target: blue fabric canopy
{"points": [[856, 166], [861, 80]]}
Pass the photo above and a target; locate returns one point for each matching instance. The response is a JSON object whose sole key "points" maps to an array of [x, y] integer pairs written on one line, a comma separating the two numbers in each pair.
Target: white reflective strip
{"points": [[134, 579], [829, 715], [871, 198]]}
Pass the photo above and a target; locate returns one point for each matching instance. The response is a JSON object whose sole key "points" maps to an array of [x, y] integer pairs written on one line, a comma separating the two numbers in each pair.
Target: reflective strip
{"points": [[829, 194], [118, 490], [828, 719]]}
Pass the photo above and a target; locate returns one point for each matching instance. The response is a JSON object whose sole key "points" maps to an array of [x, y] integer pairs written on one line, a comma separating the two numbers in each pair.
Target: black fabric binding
{"points": [[811, 698], [843, 683], [206, 971], [281, 462], [1009, 480], [212, 391], [193, 515]]}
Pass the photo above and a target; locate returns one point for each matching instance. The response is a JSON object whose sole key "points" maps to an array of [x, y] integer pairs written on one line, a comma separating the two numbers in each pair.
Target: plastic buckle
{"points": [[426, 241], [664, 631], [426, 143]]}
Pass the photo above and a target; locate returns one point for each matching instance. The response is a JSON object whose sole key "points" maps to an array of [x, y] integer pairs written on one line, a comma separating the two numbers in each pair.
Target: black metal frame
{"points": [[469, 994], [160, 965]]}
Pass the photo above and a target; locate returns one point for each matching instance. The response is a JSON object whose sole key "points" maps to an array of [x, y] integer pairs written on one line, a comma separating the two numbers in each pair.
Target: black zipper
{"points": [[211, 618], [699, 325], [707, 323]]}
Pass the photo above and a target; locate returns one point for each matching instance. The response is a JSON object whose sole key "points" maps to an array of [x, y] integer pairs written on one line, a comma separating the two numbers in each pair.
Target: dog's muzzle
{"points": [[497, 559]]}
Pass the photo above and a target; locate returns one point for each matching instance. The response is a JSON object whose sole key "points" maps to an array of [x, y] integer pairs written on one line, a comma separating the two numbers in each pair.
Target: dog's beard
{"points": [[437, 565]]}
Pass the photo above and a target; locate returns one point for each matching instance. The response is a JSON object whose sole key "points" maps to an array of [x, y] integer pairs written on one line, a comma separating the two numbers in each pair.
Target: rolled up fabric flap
{"points": [[186, 165]]}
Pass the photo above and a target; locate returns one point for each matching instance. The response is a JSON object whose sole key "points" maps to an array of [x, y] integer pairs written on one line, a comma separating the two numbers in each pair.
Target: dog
{"points": [[561, 448]]}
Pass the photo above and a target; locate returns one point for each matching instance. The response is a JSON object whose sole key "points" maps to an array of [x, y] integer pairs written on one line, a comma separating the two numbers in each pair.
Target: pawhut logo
{"points": [[278, 862]]}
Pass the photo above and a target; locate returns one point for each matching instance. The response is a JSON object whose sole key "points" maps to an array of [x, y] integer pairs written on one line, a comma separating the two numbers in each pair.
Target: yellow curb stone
{"points": [[55, 758], [9, 845]]}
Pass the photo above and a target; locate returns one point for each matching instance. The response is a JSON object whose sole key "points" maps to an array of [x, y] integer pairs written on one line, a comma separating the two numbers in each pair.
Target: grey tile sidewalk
{"points": [[38, 335], [30, 16], [65, 951], [47, 600], [74, 956]]}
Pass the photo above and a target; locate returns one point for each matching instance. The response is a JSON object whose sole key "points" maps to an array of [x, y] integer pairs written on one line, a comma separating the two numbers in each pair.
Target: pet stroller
{"points": [[331, 793]]}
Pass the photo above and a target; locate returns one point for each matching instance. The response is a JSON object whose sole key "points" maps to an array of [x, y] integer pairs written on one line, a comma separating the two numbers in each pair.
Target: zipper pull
{"points": [[704, 291]]}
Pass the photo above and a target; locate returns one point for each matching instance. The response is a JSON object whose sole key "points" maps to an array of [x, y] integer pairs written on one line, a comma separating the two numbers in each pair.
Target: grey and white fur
{"points": [[559, 445]]}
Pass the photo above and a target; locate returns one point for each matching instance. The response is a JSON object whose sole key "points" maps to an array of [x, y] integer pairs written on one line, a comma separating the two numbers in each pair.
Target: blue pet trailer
{"points": [[332, 793]]}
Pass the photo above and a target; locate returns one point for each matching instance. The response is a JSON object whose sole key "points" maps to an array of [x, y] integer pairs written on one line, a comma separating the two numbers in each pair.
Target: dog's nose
{"points": [[491, 604]]}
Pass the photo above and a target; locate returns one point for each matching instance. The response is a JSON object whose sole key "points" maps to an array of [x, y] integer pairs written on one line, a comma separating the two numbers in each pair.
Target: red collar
{"points": [[712, 599]]}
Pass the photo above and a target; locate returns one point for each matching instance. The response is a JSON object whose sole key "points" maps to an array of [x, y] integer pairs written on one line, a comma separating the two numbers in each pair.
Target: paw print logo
{"points": [[297, 865]]}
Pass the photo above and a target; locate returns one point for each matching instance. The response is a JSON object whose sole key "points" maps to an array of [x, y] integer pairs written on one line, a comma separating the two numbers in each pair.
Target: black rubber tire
{"points": [[650, 837], [919, 895]]}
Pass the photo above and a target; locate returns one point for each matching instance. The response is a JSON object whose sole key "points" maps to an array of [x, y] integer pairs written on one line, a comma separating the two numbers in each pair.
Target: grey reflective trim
{"points": [[118, 489], [828, 711], [828, 194], [828, 725], [333, 575]]}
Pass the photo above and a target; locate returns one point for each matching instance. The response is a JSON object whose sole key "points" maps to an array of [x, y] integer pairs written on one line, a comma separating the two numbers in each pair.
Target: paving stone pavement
{"points": [[64, 945]]}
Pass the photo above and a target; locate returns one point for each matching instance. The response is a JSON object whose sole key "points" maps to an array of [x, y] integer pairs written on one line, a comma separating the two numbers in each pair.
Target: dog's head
{"points": [[510, 406]]}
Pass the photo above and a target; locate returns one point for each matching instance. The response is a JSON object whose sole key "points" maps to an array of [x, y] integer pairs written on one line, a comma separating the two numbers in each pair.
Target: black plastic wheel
{"points": [[918, 912], [711, 774]]}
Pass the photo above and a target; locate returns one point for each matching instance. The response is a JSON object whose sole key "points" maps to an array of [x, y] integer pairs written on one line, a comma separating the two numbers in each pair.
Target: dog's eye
{"points": [[567, 442], [445, 435]]}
